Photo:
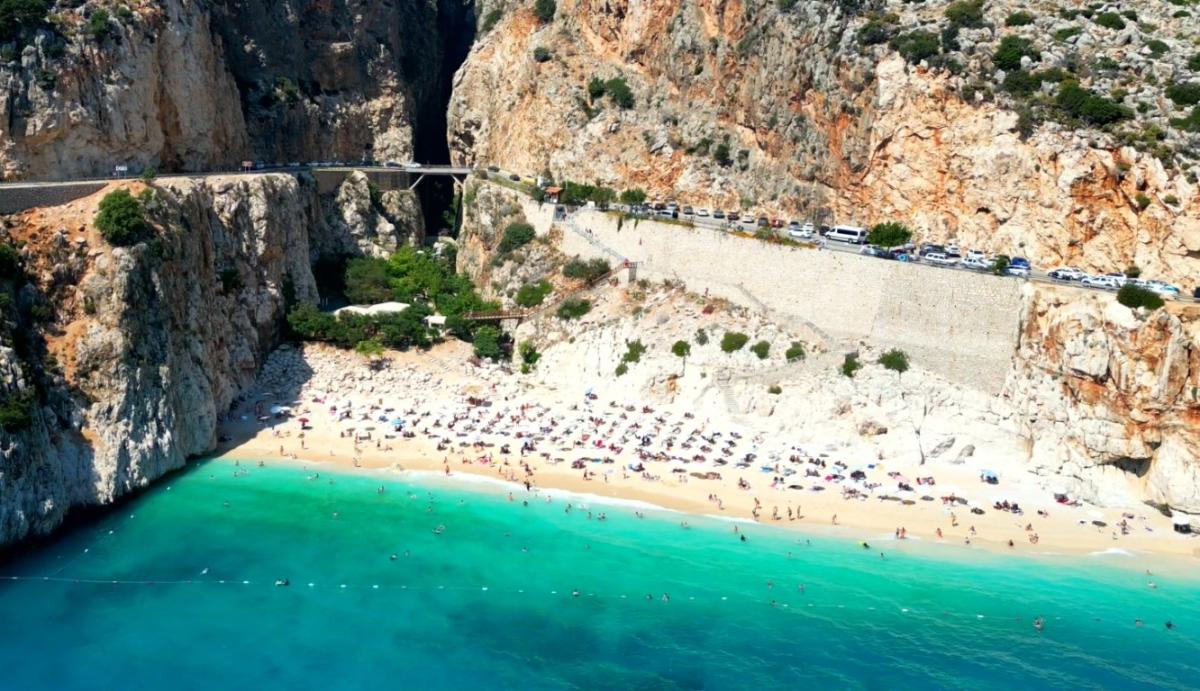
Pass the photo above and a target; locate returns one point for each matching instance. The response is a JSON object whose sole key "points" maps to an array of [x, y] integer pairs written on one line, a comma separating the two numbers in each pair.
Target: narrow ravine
{"points": [[456, 34]]}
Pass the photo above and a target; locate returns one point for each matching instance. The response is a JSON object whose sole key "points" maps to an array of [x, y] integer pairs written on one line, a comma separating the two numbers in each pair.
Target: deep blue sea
{"points": [[176, 590]]}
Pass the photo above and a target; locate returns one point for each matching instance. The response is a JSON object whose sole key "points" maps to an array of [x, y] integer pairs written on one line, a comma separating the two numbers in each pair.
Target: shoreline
{"points": [[1172, 565], [438, 413]]}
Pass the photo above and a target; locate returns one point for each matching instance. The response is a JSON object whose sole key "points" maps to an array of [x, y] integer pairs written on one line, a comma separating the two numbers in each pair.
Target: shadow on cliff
{"points": [[279, 385]]}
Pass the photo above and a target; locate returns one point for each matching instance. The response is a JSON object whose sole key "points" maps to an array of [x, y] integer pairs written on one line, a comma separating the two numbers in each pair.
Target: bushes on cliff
{"points": [[619, 92], [573, 308], [1081, 103], [544, 10], [533, 294], [967, 14], [636, 195], [516, 236], [681, 349], [588, 270], [850, 365], [1019, 18], [99, 24], [11, 267], [121, 221], [529, 356], [490, 20], [18, 15], [1184, 93], [762, 349], [1134, 296], [1110, 20], [916, 46], [795, 352], [16, 412], [895, 360], [733, 341], [1010, 51]]}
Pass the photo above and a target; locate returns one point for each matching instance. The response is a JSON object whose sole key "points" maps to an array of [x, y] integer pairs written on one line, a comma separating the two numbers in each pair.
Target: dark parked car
{"points": [[493, 169], [930, 249]]}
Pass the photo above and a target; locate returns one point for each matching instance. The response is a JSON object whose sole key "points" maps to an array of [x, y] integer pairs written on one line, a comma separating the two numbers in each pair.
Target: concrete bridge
{"points": [[27, 194]]}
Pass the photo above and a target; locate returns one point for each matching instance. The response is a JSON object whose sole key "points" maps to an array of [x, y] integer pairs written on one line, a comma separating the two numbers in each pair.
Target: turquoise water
{"points": [[489, 602]]}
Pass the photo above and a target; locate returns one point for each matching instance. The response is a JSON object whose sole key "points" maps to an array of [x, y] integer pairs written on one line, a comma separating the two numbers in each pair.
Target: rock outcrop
{"points": [[1110, 398], [808, 112], [186, 86], [140, 349]]}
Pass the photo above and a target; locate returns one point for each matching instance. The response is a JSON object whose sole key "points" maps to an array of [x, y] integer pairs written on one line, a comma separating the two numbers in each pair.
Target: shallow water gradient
{"points": [[490, 601]]}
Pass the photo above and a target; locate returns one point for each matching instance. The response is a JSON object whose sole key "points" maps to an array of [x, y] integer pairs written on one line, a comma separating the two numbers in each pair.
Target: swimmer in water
{"points": [[1039, 623], [865, 545]]}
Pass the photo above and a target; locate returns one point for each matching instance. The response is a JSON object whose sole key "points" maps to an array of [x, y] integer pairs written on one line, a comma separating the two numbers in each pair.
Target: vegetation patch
{"points": [[795, 352], [1134, 296], [16, 412], [681, 349], [573, 308], [586, 270], [850, 365], [121, 220], [762, 349], [895, 360], [516, 235], [889, 234], [733, 341], [533, 294]]}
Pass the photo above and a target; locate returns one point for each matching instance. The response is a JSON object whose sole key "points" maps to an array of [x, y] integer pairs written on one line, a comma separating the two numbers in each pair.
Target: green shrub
{"points": [[733, 341], [533, 294], [1171, 199], [762, 349], [795, 352], [11, 266], [596, 88], [1084, 104], [633, 351], [1142, 201], [369, 348], [573, 308], [889, 234], [622, 368], [681, 349], [967, 14], [916, 46], [1157, 48], [1184, 93], [1133, 296], [785, 5], [541, 54], [368, 281], [1000, 264], [544, 10], [490, 20], [1021, 83], [120, 220], [895, 360], [99, 25], [1194, 62], [873, 33], [1191, 123], [1133, 271], [774, 389], [1019, 18], [529, 355], [619, 92], [850, 365], [516, 236], [1062, 35], [1110, 20], [636, 195], [487, 343], [721, 155], [589, 270], [1010, 51], [701, 337], [16, 413]]}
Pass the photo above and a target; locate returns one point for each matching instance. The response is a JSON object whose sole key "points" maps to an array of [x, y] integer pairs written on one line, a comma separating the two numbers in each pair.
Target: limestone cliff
{"points": [[1110, 398], [827, 111], [187, 86], [134, 353]]}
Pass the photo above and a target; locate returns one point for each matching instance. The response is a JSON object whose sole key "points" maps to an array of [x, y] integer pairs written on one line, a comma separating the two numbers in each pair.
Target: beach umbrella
{"points": [[303, 421]]}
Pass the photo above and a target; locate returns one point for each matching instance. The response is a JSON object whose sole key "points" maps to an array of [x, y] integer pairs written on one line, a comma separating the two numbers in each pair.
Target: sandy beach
{"points": [[455, 417]]}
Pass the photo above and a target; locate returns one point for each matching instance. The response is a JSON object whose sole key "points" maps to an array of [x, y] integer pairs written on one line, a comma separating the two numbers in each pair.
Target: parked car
{"points": [[702, 213], [491, 169], [687, 211], [977, 263], [1100, 282], [764, 222], [900, 254], [1120, 278], [733, 215], [1067, 273], [514, 177], [719, 214], [952, 251], [976, 254], [799, 234], [1162, 288], [873, 251], [940, 258], [929, 248], [777, 223], [850, 234]]}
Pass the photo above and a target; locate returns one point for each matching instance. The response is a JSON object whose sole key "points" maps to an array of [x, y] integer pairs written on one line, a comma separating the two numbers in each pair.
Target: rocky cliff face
{"points": [[187, 86], [832, 111], [1110, 398], [139, 350]]}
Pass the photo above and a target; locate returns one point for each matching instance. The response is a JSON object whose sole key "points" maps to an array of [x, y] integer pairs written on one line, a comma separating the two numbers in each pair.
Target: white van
{"points": [[851, 234]]}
